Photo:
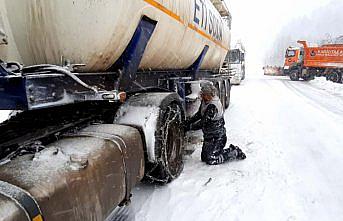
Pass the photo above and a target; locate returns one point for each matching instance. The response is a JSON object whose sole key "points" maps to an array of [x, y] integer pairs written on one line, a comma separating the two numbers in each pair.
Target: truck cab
{"points": [[293, 59], [235, 62]]}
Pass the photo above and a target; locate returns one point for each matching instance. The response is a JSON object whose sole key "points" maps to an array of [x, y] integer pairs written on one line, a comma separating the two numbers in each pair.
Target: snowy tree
{"points": [[321, 27]]}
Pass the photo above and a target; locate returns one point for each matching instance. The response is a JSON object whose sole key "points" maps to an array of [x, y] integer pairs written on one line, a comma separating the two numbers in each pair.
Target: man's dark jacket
{"points": [[210, 119]]}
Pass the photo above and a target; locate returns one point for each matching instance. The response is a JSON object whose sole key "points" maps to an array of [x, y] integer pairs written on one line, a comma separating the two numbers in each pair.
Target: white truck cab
{"points": [[235, 63]]}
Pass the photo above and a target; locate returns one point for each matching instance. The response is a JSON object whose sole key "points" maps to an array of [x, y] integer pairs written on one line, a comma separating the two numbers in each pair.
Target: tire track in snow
{"points": [[317, 98]]}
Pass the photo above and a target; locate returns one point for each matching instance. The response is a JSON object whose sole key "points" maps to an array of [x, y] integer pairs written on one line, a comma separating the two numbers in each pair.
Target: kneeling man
{"points": [[210, 119]]}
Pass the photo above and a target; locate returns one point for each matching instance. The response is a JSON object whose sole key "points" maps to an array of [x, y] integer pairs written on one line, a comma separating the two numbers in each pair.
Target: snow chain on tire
{"points": [[168, 173], [171, 113], [23, 199]]}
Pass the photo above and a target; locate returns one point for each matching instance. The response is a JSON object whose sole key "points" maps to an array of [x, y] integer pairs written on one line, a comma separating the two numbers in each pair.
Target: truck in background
{"points": [[292, 59], [310, 62], [235, 64], [100, 110], [273, 70]]}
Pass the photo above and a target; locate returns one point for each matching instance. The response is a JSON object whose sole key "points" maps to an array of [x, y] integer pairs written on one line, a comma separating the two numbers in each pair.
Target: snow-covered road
{"points": [[292, 134]]}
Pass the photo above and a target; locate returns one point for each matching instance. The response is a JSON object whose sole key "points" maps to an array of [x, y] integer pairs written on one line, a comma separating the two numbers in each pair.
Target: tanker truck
{"points": [[309, 62], [99, 91]]}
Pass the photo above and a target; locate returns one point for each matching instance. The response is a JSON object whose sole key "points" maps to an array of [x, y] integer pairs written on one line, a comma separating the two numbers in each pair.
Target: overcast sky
{"points": [[257, 22]]}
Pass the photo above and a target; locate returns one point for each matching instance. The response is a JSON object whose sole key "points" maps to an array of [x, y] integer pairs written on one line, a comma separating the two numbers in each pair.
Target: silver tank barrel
{"points": [[97, 32]]}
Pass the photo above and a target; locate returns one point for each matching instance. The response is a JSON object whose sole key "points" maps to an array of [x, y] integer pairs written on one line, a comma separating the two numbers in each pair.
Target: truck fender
{"points": [[158, 116]]}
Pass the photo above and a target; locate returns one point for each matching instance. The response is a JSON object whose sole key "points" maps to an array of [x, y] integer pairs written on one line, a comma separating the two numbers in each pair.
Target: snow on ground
{"points": [[292, 134], [333, 88]]}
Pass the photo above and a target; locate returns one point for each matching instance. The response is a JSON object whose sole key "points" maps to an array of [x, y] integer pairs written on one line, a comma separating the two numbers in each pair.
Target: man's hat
{"points": [[208, 89]]}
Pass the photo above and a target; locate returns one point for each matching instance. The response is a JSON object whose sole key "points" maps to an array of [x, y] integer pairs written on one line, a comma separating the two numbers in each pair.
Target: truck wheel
{"points": [[228, 94], [294, 76], [335, 77], [160, 118], [243, 76], [169, 145], [307, 78], [223, 95]]}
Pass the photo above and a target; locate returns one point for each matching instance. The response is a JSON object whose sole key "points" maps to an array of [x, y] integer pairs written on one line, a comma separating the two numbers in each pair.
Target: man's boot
{"points": [[240, 154], [230, 154]]}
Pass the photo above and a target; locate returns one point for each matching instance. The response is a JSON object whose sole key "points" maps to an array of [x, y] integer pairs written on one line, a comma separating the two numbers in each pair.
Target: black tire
{"points": [[218, 89], [169, 146], [223, 95], [336, 77], [228, 94], [243, 76], [294, 76], [307, 78]]}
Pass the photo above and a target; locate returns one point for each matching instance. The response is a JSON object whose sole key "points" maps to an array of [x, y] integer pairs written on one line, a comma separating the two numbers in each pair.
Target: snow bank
{"points": [[331, 87]]}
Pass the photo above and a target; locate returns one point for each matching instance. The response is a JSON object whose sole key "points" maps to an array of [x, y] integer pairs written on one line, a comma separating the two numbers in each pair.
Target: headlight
{"points": [[286, 67]]}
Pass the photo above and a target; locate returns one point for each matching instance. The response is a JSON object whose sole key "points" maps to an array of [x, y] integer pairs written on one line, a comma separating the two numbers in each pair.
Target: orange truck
{"points": [[309, 62]]}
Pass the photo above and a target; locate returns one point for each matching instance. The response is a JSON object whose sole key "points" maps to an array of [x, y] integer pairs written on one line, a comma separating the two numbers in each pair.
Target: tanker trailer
{"points": [[100, 91]]}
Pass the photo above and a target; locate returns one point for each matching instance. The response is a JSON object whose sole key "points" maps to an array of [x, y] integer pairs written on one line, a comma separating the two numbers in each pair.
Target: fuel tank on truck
{"points": [[96, 32], [81, 177]]}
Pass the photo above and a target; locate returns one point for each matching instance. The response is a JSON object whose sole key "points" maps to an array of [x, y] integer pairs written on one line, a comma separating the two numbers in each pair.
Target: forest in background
{"points": [[324, 25]]}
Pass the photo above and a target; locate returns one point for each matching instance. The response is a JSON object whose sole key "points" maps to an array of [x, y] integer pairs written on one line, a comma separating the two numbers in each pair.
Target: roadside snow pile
{"points": [[331, 87], [4, 114]]}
